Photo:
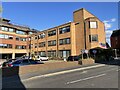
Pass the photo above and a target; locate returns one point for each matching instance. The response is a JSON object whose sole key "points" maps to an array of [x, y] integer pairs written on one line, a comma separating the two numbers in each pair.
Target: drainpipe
{"points": [[84, 35]]}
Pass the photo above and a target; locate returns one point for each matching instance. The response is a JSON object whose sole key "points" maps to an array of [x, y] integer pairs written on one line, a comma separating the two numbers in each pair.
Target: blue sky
{"points": [[40, 16]]}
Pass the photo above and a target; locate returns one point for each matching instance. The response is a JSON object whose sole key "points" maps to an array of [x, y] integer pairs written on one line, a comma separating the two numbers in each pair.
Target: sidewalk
{"points": [[47, 67]]}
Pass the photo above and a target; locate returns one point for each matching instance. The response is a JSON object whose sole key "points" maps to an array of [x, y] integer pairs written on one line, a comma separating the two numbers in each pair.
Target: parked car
{"points": [[73, 58], [42, 58], [0, 65], [5, 64], [24, 62]]}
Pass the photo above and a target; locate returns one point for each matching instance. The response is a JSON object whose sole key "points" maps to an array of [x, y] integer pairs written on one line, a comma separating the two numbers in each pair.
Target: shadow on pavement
{"points": [[11, 79]]}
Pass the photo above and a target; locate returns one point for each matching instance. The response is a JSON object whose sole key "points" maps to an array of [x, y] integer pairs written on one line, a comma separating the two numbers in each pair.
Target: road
{"points": [[102, 77]]}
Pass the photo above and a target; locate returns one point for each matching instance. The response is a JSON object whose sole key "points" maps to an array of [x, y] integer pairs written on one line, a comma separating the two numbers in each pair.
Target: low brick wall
{"points": [[86, 61]]}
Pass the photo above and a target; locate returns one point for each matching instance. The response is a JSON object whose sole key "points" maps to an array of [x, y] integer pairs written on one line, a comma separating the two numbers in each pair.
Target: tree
{"points": [[1, 9], [107, 45]]}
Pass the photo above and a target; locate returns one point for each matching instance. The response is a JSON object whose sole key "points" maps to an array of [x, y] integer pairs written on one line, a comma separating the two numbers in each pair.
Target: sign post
{"points": [[86, 51], [116, 54], [94, 51], [82, 51]]}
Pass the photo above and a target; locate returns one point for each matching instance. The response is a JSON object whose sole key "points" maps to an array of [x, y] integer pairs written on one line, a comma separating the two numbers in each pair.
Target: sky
{"points": [[44, 15]]}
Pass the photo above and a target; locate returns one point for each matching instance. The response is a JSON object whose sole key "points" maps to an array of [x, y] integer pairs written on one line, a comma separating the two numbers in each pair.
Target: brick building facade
{"points": [[86, 31]]}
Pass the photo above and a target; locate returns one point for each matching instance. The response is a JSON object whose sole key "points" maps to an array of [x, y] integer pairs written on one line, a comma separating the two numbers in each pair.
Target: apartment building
{"points": [[115, 40], [86, 31], [14, 39]]}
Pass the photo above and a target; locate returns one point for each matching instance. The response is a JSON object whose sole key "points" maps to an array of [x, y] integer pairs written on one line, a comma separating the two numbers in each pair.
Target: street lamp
{"points": [[116, 54]]}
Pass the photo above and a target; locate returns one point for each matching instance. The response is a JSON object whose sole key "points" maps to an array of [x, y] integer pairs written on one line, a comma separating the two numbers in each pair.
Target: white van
{"points": [[41, 58]]}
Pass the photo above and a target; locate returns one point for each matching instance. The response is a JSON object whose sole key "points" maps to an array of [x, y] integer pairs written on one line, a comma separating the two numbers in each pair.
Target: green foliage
{"points": [[1, 9], [103, 54]]}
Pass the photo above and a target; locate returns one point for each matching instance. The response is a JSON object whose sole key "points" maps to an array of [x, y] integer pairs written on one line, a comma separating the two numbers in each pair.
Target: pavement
{"points": [[70, 75]]}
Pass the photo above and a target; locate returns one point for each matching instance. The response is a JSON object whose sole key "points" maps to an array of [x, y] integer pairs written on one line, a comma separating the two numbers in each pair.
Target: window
{"points": [[2, 36], [20, 47], [6, 36], [67, 40], [35, 45], [11, 30], [20, 39], [17, 38], [30, 46], [51, 33], [10, 37], [93, 38], [116, 38], [42, 53], [64, 30], [29, 39], [51, 53], [36, 37], [30, 32], [52, 43], [20, 32], [4, 28], [5, 45], [9, 45], [64, 53], [64, 41], [93, 24], [42, 44], [61, 41], [41, 36]]}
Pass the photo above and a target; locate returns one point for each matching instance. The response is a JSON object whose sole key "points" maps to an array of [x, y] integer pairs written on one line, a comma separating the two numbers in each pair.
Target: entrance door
{"points": [[64, 54]]}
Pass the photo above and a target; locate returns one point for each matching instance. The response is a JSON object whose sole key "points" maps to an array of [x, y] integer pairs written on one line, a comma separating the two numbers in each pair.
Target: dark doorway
{"points": [[17, 55], [6, 56]]}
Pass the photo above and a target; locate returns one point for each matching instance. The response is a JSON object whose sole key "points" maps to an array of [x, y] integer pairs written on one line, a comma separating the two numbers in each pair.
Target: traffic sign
{"points": [[94, 51], [86, 51]]}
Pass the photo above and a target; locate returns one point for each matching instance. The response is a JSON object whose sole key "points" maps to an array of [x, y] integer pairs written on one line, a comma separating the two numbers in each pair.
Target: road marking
{"points": [[118, 70], [41, 76], [63, 72], [84, 72], [85, 79], [108, 70]]}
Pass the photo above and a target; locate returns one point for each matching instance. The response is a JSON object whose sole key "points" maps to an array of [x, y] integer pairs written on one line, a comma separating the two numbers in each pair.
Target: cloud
{"points": [[108, 23], [108, 28], [108, 34], [113, 20]]}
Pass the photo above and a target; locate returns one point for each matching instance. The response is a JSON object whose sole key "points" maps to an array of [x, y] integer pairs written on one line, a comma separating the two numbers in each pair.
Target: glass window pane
{"points": [[2, 36], [64, 29], [93, 24], [94, 37], [11, 29], [6, 36], [4, 28], [20, 32]]}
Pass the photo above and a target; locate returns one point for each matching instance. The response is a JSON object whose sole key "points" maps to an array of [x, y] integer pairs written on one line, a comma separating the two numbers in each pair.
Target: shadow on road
{"points": [[111, 62], [11, 79]]}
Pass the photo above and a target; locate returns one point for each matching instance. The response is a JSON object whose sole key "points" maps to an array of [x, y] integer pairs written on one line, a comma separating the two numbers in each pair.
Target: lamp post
{"points": [[116, 54]]}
